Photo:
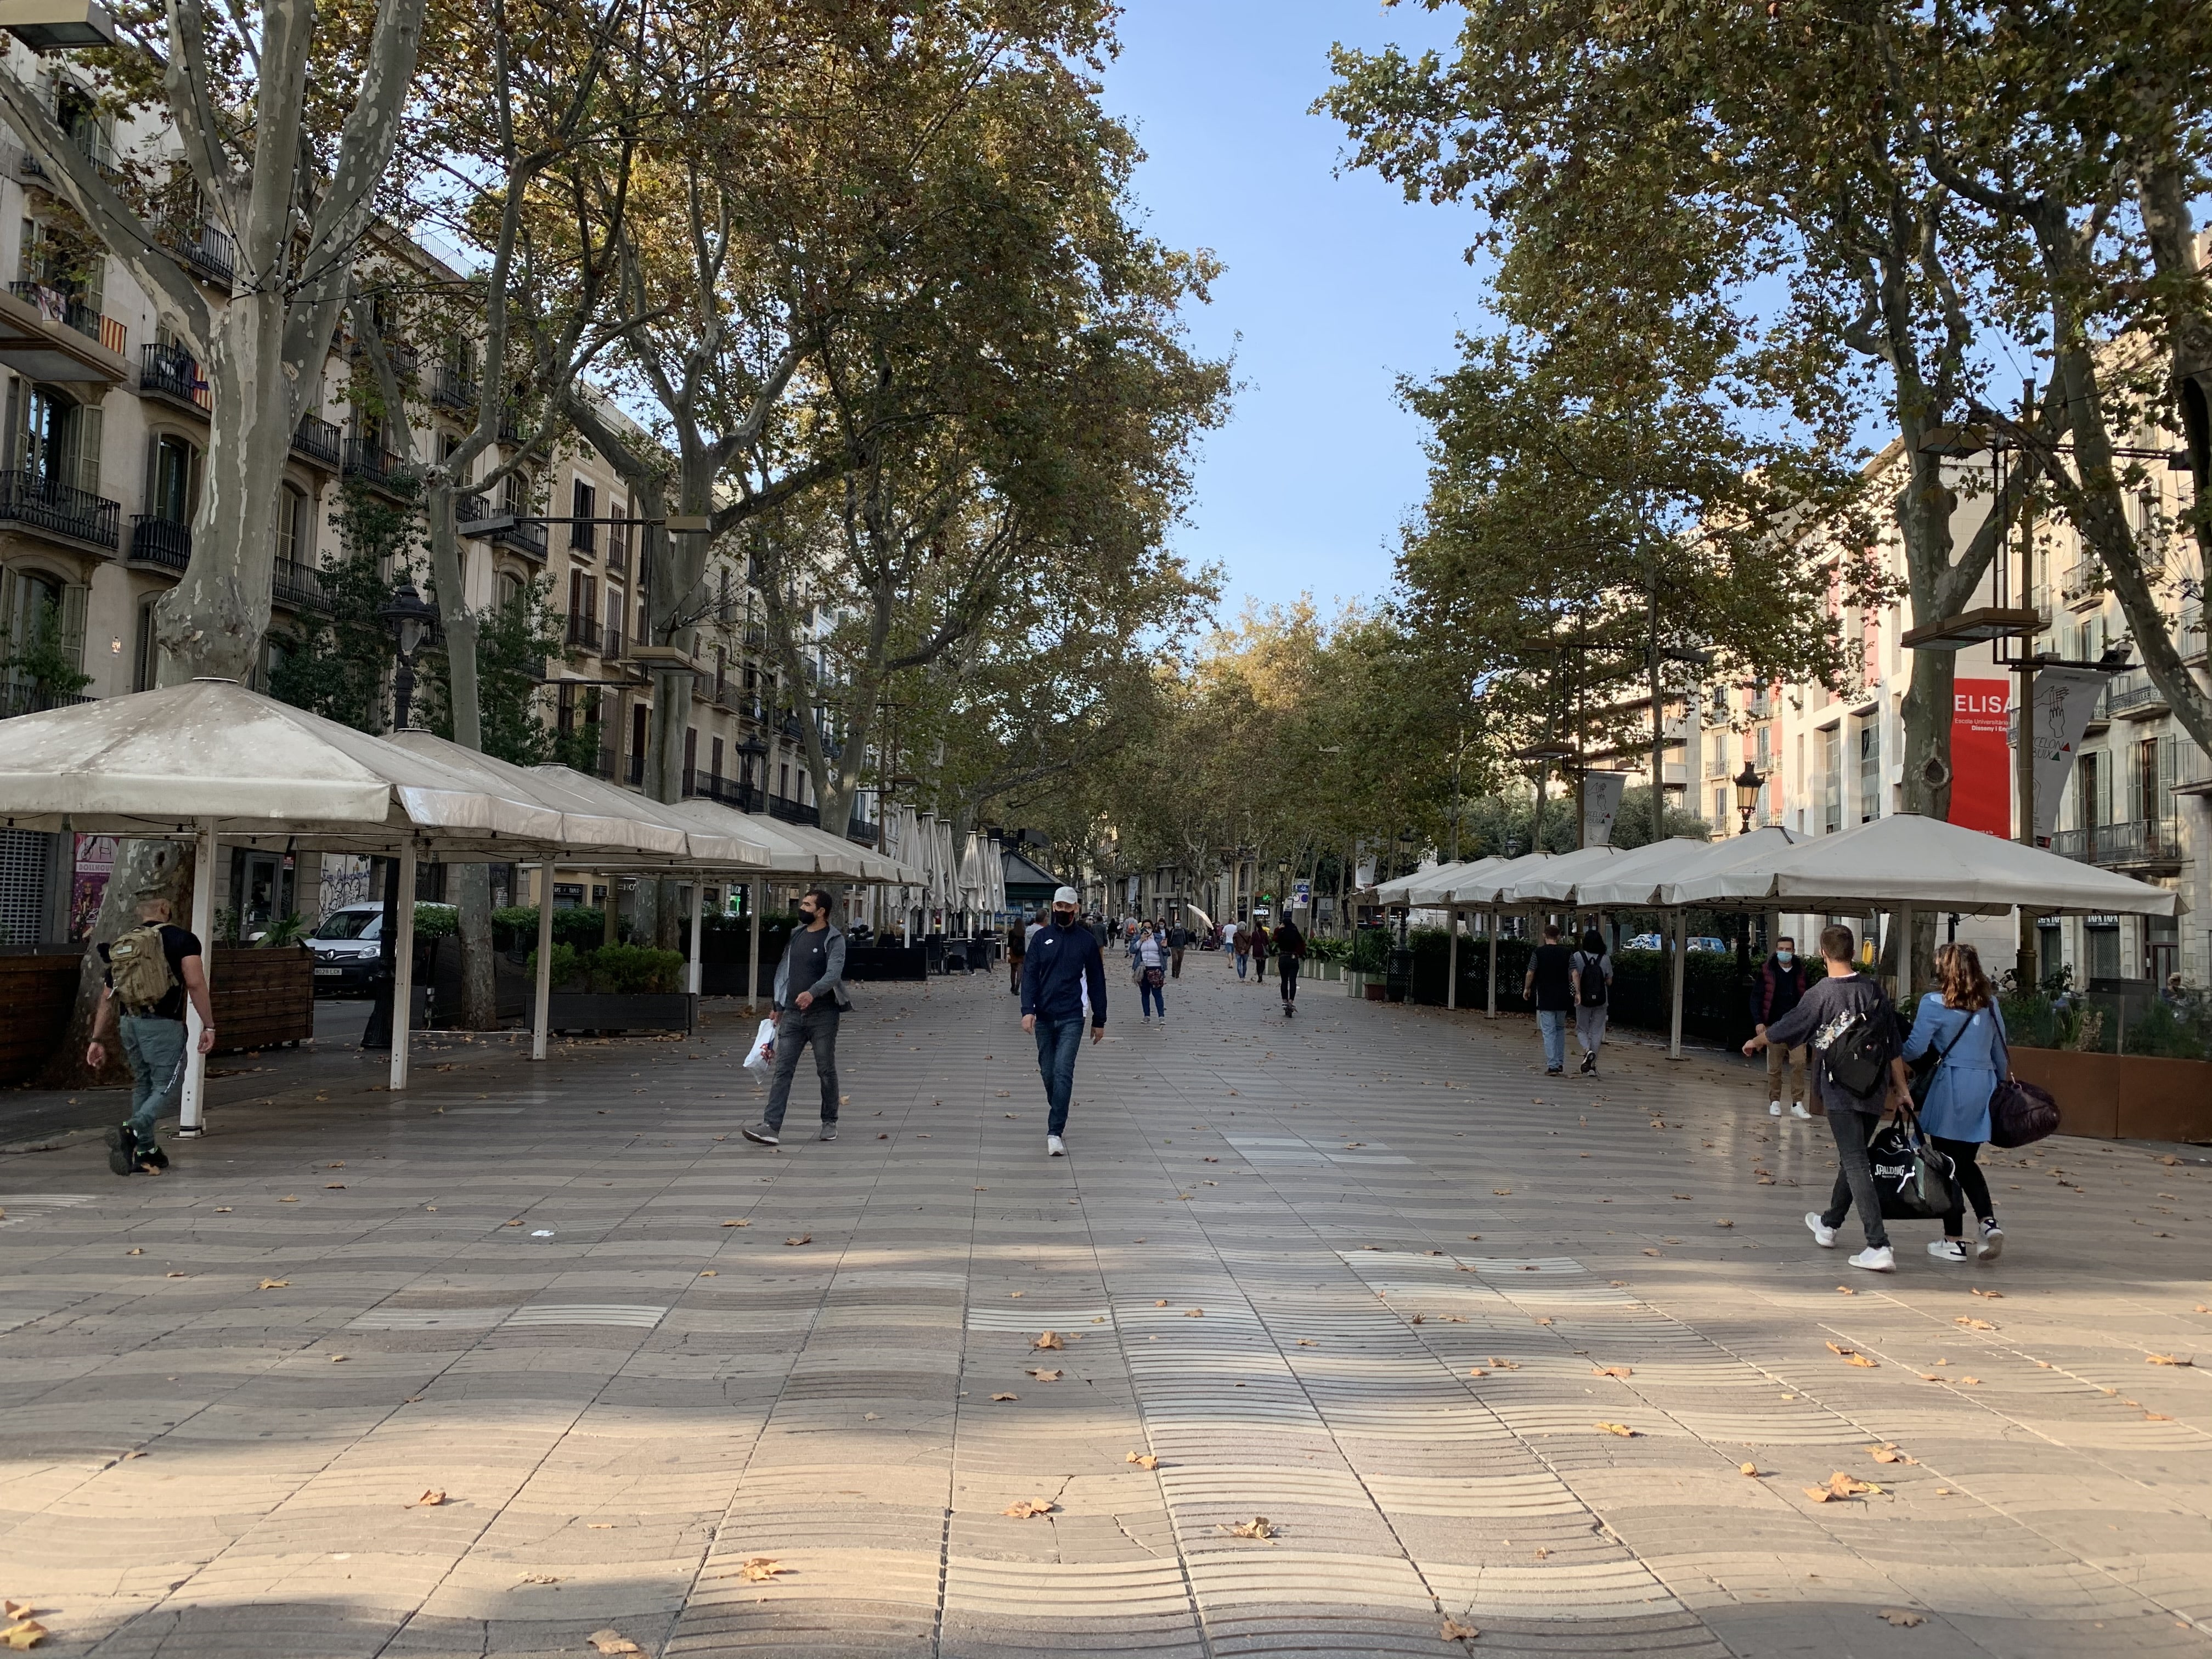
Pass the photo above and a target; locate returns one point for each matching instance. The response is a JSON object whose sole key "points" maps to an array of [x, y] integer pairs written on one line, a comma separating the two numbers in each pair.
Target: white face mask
{"points": [[1785, 958]]}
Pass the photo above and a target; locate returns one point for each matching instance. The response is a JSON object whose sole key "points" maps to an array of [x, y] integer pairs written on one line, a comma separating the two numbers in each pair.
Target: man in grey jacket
{"points": [[810, 995]]}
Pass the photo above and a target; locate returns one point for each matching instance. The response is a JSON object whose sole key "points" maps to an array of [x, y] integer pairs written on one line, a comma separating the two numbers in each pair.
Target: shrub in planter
{"points": [[566, 967], [1370, 950], [514, 927], [625, 970]]}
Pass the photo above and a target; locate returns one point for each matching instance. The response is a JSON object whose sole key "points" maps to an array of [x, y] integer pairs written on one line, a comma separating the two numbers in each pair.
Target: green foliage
{"points": [[513, 640], [334, 662], [514, 927], [285, 930], [436, 920], [1715, 1000], [2184, 1033], [628, 969], [1370, 950], [566, 965], [43, 663]]}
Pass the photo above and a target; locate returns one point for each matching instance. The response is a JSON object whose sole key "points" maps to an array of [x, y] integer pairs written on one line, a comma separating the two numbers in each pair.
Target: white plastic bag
{"points": [[759, 1059]]}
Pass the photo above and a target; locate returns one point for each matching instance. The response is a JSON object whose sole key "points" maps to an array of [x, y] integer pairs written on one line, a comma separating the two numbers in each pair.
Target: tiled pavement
{"points": [[1366, 1274]]}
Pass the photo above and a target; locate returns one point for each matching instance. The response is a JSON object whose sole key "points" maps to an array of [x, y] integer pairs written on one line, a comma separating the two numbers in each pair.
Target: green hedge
{"points": [[1715, 997], [514, 927]]}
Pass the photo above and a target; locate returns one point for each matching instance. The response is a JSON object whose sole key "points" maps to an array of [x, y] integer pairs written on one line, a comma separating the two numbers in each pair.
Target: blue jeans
{"points": [[1151, 994], [1240, 964], [794, 1028], [153, 1049], [1058, 1042], [1553, 1022]]}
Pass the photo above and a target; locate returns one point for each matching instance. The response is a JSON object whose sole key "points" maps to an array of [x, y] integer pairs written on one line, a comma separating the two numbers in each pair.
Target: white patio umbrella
{"points": [[1554, 879], [1632, 879]]}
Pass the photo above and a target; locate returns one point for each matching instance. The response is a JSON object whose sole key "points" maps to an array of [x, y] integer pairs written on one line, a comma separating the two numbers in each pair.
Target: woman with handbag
{"points": [[1961, 1024], [1150, 960]]}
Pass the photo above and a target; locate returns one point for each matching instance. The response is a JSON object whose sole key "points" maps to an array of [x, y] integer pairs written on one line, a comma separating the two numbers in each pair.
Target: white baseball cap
{"points": [[1065, 896]]}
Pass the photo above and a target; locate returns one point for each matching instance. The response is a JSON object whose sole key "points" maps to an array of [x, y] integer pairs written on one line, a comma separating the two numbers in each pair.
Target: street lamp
{"points": [[1748, 783], [410, 621]]}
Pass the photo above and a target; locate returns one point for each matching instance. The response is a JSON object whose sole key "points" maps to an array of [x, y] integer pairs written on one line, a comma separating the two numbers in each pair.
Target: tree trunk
{"points": [[479, 973], [164, 866]]}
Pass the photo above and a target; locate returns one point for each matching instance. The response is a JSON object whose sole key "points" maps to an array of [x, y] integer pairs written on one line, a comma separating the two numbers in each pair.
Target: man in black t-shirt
{"points": [[1550, 981], [152, 1036]]}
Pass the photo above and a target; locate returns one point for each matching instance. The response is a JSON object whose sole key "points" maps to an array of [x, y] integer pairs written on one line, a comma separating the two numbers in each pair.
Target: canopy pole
{"points": [[754, 902], [1901, 920], [191, 1104], [1451, 974], [403, 970], [1681, 969], [1491, 1012], [542, 994], [691, 977]]}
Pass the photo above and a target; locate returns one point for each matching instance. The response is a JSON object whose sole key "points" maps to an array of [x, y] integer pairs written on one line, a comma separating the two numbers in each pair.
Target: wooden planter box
{"points": [[641, 1011], [37, 994], [2122, 1097], [262, 998]]}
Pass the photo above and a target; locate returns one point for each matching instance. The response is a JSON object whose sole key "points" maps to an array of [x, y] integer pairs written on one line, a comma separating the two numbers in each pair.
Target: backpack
{"points": [[139, 969], [1592, 969], [1857, 1047]]}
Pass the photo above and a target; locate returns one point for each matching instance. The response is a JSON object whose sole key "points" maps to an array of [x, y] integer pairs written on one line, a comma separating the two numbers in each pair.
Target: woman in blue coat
{"points": [[1960, 1022]]}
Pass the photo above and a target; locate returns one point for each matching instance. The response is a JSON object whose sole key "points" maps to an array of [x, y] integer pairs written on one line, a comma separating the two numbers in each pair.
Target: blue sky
{"points": [[1335, 286]]}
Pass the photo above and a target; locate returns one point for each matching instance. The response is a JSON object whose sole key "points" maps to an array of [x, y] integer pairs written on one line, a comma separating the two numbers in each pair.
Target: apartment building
{"points": [[106, 425]]}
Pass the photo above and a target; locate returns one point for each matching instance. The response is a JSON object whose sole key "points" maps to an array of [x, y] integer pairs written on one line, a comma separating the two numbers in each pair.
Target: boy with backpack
{"points": [[1858, 1070], [151, 971], [1592, 969]]}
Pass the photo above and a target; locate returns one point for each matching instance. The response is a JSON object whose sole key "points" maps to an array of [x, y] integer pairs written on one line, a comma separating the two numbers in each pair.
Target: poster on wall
{"points": [[1981, 759], [1600, 805], [95, 862]]}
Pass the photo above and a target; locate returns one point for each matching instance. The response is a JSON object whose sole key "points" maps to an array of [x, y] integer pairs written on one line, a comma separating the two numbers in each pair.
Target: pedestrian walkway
{"points": [[1362, 1331]]}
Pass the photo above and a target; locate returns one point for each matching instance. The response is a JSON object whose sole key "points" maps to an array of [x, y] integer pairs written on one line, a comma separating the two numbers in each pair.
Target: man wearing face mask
{"points": [[1780, 984], [1063, 982], [810, 995]]}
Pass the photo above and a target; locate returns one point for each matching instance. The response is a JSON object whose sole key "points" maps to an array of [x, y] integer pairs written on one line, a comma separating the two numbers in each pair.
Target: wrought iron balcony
{"points": [[378, 467], [58, 305], [726, 792], [793, 811], [173, 374], [2189, 632], [451, 389], [318, 440], [2083, 584], [157, 540], [2132, 696], [209, 254], [298, 585], [31, 498], [525, 539], [583, 632], [2149, 845]]}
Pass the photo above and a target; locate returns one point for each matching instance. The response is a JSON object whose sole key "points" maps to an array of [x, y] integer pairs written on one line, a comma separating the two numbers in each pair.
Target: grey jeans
{"points": [[794, 1028], [153, 1049], [1855, 1174], [1590, 1025]]}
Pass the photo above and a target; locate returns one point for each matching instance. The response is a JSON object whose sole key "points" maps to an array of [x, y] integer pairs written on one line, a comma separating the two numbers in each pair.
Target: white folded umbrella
{"points": [[1633, 879], [1481, 888], [1554, 879]]}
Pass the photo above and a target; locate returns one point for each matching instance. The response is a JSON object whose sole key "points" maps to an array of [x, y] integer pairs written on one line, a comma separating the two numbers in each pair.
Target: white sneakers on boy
{"points": [[1774, 1108], [1055, 1147], [1823, 1234], [1876, 1258], [1947, 1250]]}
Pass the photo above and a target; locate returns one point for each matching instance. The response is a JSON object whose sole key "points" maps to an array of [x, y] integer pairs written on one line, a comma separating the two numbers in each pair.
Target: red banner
{"points": [[1981, 763]]}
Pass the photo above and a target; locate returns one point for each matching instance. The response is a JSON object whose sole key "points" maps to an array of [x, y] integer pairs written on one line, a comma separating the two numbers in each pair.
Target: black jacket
{"points": [[1059, 960], [1777, 990]]}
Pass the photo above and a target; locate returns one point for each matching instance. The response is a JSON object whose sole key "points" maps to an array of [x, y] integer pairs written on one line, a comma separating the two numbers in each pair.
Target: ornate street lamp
{"points": [[1748, 783], [410, 621]]}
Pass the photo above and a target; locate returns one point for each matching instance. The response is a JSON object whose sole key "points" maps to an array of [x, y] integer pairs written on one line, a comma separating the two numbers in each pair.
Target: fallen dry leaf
{"points": [[1748, 1469], [222, 1209], [23, 1635], [1005, 1397], [1505, 1364], [759, 1568], [1620, 1429], [1612, 1370], [1456, 1631], [339, 1358], [273, 1284], [1196, 1313], [1994, 1296], [800, 1238], [135, 1251], [1971, 1381], [1045, 1377], [1142, 1459], [1048, 1340], [429, 1500], [1846, 1290], [334, 1186], [538, 1578], [612, 1640], [1162, 1302], [1027, 1509], [737, 1224], [1501, 1192], [1725, 1222], [1902, 1617], [1973, 1324], [1651, 1252], [2168, 1359], [1257, 1526]]}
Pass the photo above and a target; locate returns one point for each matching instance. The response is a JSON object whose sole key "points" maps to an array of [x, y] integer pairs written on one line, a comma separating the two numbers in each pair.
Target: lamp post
{"points": [[410, 621], [1748, 783]]}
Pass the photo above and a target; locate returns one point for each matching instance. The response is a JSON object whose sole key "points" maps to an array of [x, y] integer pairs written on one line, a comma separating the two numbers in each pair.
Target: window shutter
{"points": [[11, 617], [11, 436], [91, 425], [73, 598]]}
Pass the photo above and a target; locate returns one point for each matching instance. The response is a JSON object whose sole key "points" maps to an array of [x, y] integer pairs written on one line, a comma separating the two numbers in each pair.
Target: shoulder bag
{"points": [[2020, 1113], [1914, 1177], [1925, 1068]]}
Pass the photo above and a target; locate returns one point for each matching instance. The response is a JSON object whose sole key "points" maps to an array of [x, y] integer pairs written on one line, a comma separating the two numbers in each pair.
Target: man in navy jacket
{"points": [[1063, 977]]}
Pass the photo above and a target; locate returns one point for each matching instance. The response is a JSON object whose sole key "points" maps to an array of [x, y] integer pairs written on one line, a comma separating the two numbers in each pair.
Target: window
{"points": [[714, 760], [691, 752], [1720, 808], [147, 666], [292, 527], [514, 495], [584, 506], [618, 539], [169, 484], [1765, 748], [38, 609], [1868, 741], [59, 444], [618, 615], [1831, 780]]}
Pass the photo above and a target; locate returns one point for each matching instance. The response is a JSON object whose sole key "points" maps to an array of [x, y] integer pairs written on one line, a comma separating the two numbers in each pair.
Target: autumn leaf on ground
{"points": [[1501, 1192], [429, 1500], [1162, 1302], [1048, 1340], [1973, 1324], [25, 1634], [1852, 1356], [1843, 1485], [1902, 1617], [1142, 1459], [1620, 1429], [1257, 1526], [538, 1578], [1505, 1364], [759, 1568], [273, 1284], [1750, 1470], [1196, 1313], [1456, 1631], [800, 1238], [612, 1640], [2167, 1359], [1005, 1397], [1651, 1252], [1045, 1377], [1027, 1509], [1725, 1222], [1994, 1296], [1971, 1381], [737, 1224]]}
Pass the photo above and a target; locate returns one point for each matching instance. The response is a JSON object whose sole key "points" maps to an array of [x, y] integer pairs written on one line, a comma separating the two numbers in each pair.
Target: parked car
{"points": [[346, 943], [1645, 942], [1712, 946]]}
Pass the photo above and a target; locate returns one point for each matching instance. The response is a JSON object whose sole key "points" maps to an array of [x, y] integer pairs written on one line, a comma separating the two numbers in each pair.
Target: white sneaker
{"points": [[1823, 1234], [1055, 1147], [1774, 1108], [1992, 1241], [1876, 1258], [1947, 1250], [1798, 1109]]}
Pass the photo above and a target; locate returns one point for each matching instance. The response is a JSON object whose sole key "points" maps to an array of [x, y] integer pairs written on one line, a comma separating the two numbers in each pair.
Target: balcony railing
{"points": [[793, 811], [2131, 844], [59, 306], [381, 467], [23, 699], [173, 374], [207, 252], [583, 632], [525, 539], [298, 585], [156, 540], [726, 792], [2132, 696], [318, 440], [31, 498], [583, 537], [2189, 632], [2082, 583], [451, 389]]}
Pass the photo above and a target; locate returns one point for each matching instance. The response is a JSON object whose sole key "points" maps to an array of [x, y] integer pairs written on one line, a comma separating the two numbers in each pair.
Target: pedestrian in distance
{"points": [[1961, 1022], [1063, 988], [1241, 941], [1550, 981], [1151, 958], [1260, 944], [808, 997], [1017, 945], [1592, 971], [1778, 988], [153, 971], [1289, 956], [1178, 940], [1848, 1023]]}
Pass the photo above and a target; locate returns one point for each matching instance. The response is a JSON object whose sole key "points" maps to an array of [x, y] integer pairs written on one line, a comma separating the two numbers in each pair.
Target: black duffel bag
{"points": [[1915, 1179], [2020, 1113]]}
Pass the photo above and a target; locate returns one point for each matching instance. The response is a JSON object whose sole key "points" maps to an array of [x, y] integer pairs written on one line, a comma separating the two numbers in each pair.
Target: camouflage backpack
{"points": [[140, 969]]}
